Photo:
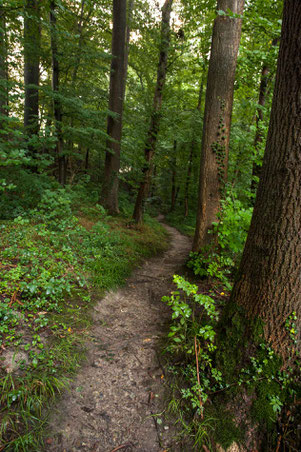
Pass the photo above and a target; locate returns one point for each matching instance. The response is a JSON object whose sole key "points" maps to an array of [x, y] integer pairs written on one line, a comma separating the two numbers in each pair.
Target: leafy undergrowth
{"points": [[184, 225], [54, 265], [218, 393]]}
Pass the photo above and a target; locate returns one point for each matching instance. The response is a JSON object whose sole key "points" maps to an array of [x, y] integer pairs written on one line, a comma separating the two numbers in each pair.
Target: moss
{"points": [[225, 430], [243, 355], [247, 411]]}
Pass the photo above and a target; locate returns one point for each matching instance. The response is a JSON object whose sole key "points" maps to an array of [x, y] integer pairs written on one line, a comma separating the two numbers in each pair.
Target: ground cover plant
{"points": [[217, 396], [115, 110], [54, 265]]}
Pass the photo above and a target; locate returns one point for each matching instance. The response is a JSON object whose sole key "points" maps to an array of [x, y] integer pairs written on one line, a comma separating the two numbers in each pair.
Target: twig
{"points": [[14, 299], [198, 375], [153, 415], [149, 276], [123, 446], [278, 443]]}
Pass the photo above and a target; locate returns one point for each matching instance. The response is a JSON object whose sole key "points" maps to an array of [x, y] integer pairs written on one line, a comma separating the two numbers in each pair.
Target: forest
{"points": [[150, 225]]}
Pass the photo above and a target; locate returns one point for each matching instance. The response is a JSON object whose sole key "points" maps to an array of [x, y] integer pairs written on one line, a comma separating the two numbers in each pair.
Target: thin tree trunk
{"points": [[87, 160], [191, 154], [173, 178], [269, 283], [217, 118], [32, 38], [3, 68], [259, 118], [265, 76], [153, 182], [188, 177], [79, 29], [151, 140], [127, 41], [57, 107], [80, 41], [109, 193]]}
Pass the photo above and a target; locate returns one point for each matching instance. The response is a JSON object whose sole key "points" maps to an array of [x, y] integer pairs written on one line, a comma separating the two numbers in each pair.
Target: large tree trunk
{"points": [[217, 118], [57, 107], [3, 67], [269, 283], [109, 194], [32, 38], [152, 135]]}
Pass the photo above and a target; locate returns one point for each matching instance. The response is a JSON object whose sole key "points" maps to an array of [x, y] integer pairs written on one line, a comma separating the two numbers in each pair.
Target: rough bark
{"points": [[269, 283], [217, 118], [32, 38], [152, 135], [109, 193], [57, 107]]}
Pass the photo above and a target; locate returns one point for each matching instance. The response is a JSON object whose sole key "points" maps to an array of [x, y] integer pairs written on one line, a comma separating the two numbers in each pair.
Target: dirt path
{"points": [[112, 400]]}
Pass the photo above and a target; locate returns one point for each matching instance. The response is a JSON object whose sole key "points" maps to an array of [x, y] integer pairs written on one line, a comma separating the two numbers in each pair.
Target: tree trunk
{"points": [[259, 117], [87, 160], [191, 155], [127, 41], [151, 140], [269, 283], [109, 193], [32, 38], [57, 107], [217, 118], [80, 40], [153, 182], [3, 68], [188, 177], [173, 178]]}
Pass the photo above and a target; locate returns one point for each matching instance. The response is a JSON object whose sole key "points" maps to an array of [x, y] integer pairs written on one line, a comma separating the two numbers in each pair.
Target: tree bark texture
{"points": [[57, 107], [152, 135], [269, 283], [109, 194], [32, 38], [217, 118]]}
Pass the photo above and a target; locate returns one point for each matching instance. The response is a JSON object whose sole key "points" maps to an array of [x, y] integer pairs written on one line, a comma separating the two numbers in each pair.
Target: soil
{"points": [[118, 398]]}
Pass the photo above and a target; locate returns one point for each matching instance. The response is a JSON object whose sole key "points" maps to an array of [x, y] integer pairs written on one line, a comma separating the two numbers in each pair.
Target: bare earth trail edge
{"points": [[113, 399]]}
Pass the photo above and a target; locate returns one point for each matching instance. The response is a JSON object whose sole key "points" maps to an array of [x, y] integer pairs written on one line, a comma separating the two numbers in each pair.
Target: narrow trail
{"points": [[111, 403]]}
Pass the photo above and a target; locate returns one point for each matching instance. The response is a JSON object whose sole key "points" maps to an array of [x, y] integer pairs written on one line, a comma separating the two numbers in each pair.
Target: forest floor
{"points": [[117, 400]]}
